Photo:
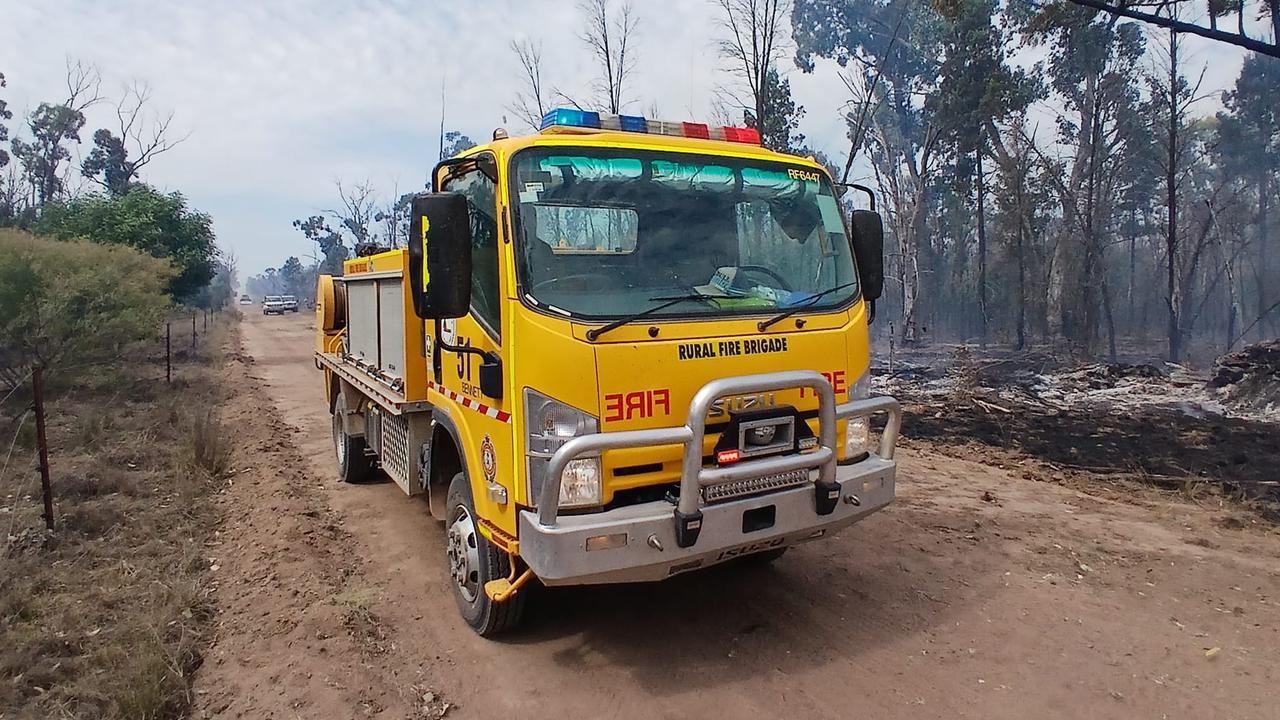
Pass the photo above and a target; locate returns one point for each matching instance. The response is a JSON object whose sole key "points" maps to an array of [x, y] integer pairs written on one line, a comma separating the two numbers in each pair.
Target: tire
{"points": [[354, 466], [473, 561]]}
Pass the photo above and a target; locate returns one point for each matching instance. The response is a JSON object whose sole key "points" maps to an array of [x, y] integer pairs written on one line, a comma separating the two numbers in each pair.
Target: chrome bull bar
{"points": [[691, 434]]}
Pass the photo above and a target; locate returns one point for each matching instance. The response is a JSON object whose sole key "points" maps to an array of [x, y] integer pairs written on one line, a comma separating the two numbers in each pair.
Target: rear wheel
{"points": [[474, 561], [354, 466]]}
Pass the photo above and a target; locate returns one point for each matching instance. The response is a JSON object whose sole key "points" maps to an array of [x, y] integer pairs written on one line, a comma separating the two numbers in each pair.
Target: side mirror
{"points": [[868, 252], [440, 255]]}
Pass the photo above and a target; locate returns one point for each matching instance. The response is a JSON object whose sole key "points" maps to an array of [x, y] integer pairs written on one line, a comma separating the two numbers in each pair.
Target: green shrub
{"points": [[73, 302], [159, 224]]}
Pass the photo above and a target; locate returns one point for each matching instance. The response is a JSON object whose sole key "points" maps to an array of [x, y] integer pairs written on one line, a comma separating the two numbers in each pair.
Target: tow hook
{"points": [[853, 500]]}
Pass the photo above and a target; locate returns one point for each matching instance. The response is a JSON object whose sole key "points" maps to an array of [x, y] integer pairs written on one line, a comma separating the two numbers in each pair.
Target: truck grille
{"points": [[754, 486]]}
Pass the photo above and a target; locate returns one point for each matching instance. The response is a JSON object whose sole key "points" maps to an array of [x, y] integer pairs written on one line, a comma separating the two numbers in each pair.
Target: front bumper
{"points": [[651, 541], [558, 555]]}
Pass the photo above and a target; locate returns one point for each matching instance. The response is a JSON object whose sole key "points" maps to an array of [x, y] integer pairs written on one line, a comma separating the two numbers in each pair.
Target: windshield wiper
{"points": [[808, 303], [667, 302]]}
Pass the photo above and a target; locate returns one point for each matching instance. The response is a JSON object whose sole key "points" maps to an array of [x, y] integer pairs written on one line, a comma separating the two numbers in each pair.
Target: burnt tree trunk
{"points": [[982, 250], [1171, 182], [1263, 260]]}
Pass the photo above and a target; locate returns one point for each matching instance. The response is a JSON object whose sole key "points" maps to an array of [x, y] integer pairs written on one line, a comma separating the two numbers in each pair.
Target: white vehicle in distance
{"points": [[246, 300], [290, 303], [273, 305]]}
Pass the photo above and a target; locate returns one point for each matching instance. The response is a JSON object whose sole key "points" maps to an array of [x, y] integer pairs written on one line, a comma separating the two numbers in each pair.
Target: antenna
{"points": [[442, 98]]}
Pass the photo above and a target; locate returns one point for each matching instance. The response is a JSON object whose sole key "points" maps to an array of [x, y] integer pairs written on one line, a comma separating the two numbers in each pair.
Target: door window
{"points": [[479, 191]]}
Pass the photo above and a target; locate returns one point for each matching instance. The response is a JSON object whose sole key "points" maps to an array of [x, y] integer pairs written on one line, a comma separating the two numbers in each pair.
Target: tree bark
{"points": [[1022, 292], [982, 250], [1110, 317], [1171, 182], [1264, 240]]}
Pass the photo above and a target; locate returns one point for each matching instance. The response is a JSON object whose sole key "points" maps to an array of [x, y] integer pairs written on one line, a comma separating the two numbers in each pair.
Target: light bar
{"points": [[562, 119]]}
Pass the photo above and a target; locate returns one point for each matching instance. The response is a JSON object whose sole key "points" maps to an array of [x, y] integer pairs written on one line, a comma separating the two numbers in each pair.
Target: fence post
{"points": [[42, 445], [193, 334], [168, 357], [205, 313]]}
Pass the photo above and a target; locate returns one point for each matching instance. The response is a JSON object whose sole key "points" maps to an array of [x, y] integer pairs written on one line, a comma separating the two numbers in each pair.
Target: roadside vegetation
{"points": [[105, 614]]}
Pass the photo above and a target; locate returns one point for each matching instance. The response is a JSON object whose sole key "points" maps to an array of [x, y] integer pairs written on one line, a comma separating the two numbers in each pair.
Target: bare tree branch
{"points": [[753, 43], [1238, 38], [609, 39], [358, 210], [530, 102]]}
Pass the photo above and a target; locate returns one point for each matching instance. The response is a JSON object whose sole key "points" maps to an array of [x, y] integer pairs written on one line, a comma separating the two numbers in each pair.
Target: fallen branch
{"points": [[991, 406]]}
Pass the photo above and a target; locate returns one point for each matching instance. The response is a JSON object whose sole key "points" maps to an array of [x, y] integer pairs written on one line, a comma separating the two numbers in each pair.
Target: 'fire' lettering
{"points": [[638, 404]]}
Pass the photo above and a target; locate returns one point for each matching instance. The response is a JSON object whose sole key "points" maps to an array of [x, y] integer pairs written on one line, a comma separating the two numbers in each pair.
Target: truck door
{"points": [[484, 422]]}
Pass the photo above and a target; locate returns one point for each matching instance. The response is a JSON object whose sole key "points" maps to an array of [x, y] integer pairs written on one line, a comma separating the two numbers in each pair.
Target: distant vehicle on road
{"points": [[246, 300], [273, 305], [279, 304]]}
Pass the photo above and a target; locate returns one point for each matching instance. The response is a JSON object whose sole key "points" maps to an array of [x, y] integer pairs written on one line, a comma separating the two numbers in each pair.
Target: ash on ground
{"points": [[1249, 380], [1164, 424]]}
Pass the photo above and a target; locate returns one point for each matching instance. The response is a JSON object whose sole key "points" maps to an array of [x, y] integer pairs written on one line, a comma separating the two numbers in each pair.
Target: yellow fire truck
{"points": [[616, 350]]}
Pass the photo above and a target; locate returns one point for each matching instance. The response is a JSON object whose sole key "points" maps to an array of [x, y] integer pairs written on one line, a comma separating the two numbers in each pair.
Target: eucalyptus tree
{"points": [[1248, 148], [926, 79]]}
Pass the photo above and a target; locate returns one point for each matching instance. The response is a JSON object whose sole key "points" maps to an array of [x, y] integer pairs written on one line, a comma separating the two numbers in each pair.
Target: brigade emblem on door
{"points": [[488, 459]]}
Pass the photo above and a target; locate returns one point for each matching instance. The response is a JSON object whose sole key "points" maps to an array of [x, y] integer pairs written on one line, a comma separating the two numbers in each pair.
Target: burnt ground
{"points": [[1162, 425]]}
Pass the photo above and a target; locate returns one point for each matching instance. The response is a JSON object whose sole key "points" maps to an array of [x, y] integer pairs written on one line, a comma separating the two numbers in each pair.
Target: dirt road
{"points": [[979, 594]]}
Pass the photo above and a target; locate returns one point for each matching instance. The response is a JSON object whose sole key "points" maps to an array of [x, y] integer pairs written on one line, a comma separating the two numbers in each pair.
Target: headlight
{"points": [[857, 433], [550, 425]]}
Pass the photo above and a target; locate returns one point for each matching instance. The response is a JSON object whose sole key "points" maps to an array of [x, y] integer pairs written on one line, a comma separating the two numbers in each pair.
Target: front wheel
{"points": [[474, 561], [354, 466]]}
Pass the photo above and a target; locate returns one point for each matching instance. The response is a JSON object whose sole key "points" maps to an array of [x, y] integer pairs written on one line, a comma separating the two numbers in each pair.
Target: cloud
{"points": [[282, 97]]}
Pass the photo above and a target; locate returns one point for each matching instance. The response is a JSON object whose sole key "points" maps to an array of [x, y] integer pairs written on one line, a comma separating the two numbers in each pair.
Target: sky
{"points": [[281, 98]]}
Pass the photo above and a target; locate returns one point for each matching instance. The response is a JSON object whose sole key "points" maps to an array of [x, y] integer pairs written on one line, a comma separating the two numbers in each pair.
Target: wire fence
{"points": [[4, 472], [33, 379]]}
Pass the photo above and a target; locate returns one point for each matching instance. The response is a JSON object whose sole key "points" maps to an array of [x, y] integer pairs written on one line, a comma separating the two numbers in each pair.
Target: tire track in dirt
{"points": [[296, 634]]}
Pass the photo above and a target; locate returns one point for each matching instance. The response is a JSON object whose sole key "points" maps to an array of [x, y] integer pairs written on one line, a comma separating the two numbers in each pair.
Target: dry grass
{"points": [[107, 616], [207, 444]]}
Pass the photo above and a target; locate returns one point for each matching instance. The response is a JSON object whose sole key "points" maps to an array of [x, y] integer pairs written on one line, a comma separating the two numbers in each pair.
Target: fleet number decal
{"points": [[731, 348]]}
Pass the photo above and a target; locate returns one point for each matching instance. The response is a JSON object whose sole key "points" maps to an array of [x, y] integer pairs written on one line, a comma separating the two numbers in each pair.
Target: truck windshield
{"points": [[603, 232]]}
